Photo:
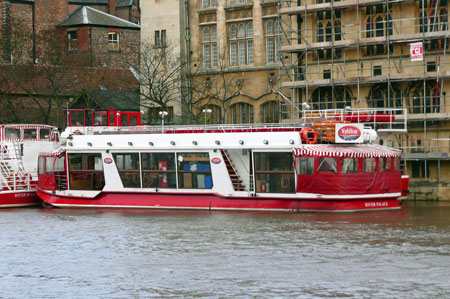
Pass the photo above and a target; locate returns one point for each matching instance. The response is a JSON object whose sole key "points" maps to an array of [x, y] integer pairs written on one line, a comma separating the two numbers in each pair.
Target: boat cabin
{"points": [[101, 118]]}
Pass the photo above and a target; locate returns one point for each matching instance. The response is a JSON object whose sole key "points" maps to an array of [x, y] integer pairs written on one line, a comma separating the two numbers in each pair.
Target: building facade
{"points": [[358, 54]]}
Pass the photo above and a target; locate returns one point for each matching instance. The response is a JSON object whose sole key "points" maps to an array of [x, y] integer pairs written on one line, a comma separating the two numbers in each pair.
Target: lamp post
{"points": [[162, 114], [206, 111]]}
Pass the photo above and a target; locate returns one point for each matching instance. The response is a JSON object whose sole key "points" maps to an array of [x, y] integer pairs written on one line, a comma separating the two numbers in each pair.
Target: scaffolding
{"points": [[356, 53]]}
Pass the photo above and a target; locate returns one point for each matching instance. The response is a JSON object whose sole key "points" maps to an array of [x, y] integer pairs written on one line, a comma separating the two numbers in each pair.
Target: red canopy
{"points": [[346, 151]]}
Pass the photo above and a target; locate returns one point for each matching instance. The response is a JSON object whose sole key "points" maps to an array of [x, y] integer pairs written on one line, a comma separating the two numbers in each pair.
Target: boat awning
{"points": [[346, 151]]}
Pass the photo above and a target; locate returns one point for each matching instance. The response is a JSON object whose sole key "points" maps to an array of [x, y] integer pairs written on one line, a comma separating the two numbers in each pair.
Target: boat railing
{"points": [[380, 119], [15, 181], [244, 183]]}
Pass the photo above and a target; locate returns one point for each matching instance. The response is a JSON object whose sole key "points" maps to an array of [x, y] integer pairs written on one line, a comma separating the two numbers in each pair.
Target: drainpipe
{"points": [[188, 56]]}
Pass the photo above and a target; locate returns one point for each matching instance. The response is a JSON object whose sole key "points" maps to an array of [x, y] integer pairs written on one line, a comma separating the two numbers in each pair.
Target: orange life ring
{"points": [[77, 132], [304, 133], [25, 177], [11, 181]]}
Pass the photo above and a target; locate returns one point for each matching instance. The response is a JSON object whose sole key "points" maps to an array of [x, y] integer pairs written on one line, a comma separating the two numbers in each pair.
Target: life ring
{"points": [[26, 178], [304, 133], [77, 132], [13, 179]]}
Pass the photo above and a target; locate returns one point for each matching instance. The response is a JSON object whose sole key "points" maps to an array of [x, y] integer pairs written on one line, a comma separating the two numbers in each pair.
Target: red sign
{"points": [[349, 132], [416, 51], [216, 160], [108, 160]]}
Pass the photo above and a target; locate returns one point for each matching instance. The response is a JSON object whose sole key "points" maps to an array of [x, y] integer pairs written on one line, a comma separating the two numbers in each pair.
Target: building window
{"points": [[242, 113], [241, 44], [431, 66], [209, 3], [232, 2], [327, 74], [377, 70], [160, 38], [209, 39], [72, 40], [271, 112], [273, 41], [113, 41]]}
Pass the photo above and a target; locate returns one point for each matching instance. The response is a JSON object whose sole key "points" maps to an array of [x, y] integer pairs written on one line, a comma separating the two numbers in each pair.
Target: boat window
{"points": [[305, 165], [369, 164], [85, 171], [158, 170], [100, 118], [44, 134], [133, 121], [384, 164], [397, 164], [77, 118], [274, 172], [124, 120], [41, 165], [349, 165], [327, 165], [12, 133], [194, 171], [89, 114], [128, 166], [29, 134]]}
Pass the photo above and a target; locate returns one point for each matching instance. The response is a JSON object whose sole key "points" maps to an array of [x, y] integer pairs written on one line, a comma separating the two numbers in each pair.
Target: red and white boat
{"points": [[319, 165], [19, 149]]}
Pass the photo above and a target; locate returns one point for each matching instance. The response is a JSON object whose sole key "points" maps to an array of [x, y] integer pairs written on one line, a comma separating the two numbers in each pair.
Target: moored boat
{"points": [[19, 149], [246, 168]]}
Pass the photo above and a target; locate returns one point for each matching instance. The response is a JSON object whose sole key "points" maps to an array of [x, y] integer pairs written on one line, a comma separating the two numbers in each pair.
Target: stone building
{"points": [[231, 48], [360, 54]]}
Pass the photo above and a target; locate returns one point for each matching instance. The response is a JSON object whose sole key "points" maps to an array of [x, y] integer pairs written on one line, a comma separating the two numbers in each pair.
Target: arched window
{"points": [[329, 32], [241, 44], [273, 40], [241, 113], [271, 113], [337, 30], [209, 41], [319, 33]]}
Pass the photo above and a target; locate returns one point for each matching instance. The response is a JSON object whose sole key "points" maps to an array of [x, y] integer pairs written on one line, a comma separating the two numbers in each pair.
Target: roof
{"points": [[85, 15], [89, 2], [346, 151], [124, 3], [114, 99]]}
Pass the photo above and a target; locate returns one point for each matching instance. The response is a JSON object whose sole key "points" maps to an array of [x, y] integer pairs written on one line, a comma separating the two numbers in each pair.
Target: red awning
{"points": [[346, 151]]}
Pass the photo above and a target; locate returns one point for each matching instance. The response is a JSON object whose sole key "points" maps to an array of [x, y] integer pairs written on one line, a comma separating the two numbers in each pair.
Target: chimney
{"points": [[112, 7]]}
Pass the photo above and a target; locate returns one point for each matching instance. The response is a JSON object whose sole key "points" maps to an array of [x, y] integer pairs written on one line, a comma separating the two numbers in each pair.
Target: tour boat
{"points": [[19, 149], [318, 165]]}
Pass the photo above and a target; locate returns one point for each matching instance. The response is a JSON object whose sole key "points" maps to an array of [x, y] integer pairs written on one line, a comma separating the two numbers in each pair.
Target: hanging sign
{"points": [[416, 51]]}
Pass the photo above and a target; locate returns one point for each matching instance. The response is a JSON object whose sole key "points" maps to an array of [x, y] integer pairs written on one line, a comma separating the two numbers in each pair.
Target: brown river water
{"points": [[57, 253]]}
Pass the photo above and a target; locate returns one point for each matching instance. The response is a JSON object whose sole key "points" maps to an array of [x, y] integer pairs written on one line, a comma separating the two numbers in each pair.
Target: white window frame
{"points": [[113, 43], [71, 41]]}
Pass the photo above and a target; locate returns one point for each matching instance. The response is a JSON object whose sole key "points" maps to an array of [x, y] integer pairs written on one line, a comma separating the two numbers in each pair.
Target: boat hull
{"points": [[15, 199], [202, 201]]}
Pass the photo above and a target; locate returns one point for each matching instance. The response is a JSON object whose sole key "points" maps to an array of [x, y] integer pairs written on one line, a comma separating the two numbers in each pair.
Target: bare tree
{"points": [[160, 76]]}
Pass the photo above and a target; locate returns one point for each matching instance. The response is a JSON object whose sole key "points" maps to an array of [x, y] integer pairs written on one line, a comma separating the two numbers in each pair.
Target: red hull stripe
{"points": [[215, 202], [19, 199]]}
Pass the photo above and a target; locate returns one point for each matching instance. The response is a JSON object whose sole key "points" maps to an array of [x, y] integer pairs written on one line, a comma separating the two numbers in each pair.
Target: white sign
{"points": [[416, 51], [349, 133]]}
